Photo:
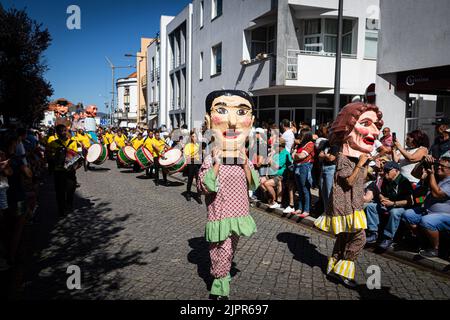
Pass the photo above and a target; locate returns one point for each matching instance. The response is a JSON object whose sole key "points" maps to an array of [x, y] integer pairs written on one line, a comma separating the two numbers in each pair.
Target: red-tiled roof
{"points": [[133, 75]]}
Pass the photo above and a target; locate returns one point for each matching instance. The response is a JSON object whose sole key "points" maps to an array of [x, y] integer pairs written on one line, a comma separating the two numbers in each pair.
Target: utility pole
{"points": [[337, 73]]}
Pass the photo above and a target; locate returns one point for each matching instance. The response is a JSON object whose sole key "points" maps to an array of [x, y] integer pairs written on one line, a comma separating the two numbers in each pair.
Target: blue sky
{"points": [[78, 69]]}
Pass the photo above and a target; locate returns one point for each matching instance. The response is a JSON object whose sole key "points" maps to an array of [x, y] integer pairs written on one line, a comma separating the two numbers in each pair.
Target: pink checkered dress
{"points": [[231, 199]]}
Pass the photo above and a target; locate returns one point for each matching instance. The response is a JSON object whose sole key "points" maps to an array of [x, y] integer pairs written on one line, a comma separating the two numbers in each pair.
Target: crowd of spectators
{"points": [[407, 189], [22, 166]]}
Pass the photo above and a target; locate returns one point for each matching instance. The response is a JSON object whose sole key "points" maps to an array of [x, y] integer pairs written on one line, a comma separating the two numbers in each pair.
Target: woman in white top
{"points": [[417, 143]]}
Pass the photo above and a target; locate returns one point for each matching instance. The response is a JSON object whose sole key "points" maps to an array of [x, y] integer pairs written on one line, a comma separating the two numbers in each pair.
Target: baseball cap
{"points": [[445, 155], [259, 130], [388, 166], [441, 121]]}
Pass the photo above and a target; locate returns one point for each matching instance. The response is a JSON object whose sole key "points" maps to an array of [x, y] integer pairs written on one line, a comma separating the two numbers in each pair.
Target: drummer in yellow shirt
{"points": [[84, 139], [148, 144], [120, 139], [65, 180], [192, 154], [136, 143], [158, 145], [108, 138]]}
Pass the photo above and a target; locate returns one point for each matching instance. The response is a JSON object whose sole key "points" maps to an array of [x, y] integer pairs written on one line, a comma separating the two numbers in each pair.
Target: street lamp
{"points": [[129, 55], [113, 67]]}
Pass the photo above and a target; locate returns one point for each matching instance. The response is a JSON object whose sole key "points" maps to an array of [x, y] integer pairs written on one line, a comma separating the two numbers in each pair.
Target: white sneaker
{"points": [[276, 205], [289, 209]]}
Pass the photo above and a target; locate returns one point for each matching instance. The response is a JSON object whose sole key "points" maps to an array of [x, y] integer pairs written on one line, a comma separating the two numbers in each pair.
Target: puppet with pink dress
{"points": [[225, 177]]}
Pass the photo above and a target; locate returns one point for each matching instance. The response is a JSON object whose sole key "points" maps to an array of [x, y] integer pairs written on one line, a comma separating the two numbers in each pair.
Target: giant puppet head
{"points": [[356, 128], [91, 111], [229, 116]]}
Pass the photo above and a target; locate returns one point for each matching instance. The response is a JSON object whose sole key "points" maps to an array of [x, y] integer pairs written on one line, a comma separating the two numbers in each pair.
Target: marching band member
{"points": [[84, 140], [121, 140], [148, 143], [65, 180], [108, 138], [136, 143], [192, 154], [158, 148]]}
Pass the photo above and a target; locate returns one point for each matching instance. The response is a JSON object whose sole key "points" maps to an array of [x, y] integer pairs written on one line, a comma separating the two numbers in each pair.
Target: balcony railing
{"points": [[144, 81], [292, 58]]}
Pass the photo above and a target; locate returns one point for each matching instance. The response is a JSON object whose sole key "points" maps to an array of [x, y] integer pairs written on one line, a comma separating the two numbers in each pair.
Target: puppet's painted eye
{"points": [[241, 112], [366, 123], [221, 111]]}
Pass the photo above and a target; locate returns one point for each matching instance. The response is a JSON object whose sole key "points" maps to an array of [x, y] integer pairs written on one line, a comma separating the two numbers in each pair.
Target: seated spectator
{"points": [[442, 141], [417, 144], [386, 139], [278, 162], [396, 194], [434, 216]]}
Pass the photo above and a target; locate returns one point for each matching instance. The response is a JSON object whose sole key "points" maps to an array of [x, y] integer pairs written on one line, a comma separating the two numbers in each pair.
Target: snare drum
{"points": [[97, 153], [113, 146], [144, 157], [126, 156], [173, 161], [73, 160]]}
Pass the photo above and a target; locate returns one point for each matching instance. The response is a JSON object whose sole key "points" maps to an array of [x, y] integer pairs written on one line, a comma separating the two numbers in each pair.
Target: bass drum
{"points": [[173, 161], [144, 157], [113, 146], [126, 156], [97, 154]]}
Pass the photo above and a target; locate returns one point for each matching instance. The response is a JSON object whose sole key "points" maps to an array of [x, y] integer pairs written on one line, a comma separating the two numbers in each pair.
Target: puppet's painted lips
{"points": [[231, 134], [369, 140]]}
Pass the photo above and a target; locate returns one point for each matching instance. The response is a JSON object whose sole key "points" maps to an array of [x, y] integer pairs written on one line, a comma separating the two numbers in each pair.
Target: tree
{"points": [[24, 92]]}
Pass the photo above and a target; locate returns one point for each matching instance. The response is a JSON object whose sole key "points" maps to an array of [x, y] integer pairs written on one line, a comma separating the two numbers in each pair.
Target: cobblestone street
{"points": [[133, 240]]}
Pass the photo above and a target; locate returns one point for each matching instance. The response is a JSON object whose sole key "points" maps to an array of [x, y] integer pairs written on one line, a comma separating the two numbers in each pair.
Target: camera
{"points": [[427, 165], [394, 136]]}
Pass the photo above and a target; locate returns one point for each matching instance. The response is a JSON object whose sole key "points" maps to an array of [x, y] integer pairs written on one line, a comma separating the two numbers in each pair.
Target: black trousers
{"points": [[157, 166], [110, 153], [65, 184], [192, 170]]}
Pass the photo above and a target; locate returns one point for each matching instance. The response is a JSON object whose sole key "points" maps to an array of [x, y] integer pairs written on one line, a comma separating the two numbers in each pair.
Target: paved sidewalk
{"points": [[133, 240]]}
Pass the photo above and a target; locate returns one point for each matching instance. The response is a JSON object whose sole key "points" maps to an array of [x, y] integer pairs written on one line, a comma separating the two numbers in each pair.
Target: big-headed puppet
{"points": [[229, 117], [354, 130]]}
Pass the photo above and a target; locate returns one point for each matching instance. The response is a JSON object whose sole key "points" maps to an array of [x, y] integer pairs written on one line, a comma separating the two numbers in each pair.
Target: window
{"points": [[372, 27], [201, 66], [320, 35], [263, 41], [216, 9], [202, 10], [216, 59]]}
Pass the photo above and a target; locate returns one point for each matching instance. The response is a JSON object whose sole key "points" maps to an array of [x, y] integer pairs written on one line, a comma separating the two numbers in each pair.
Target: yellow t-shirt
{"points": [[108, 138], [84, 140], [159, 144], [120, 140], [52, 138], [148, 144], [69, 144], [191, 151], [137, 143]]}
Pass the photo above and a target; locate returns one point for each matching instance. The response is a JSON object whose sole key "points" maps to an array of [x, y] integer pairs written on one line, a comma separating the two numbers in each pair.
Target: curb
{"points": [[436, 264]]}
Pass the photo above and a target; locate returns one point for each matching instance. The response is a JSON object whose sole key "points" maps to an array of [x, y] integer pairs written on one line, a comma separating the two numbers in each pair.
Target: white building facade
{"points": [[283, 52], [127, 92], [413, 83]]}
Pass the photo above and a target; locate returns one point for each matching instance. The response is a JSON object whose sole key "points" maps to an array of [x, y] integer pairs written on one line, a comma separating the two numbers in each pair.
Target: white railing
{"points": [[292, 58]]}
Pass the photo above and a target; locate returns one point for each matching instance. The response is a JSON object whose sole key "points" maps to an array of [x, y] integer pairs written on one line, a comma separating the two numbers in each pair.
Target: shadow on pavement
{"points": [[83, 238], [91, 168], [200, 256], [303, 250]]}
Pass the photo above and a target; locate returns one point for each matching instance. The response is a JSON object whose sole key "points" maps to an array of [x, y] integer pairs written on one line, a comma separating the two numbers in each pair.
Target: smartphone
{"points": [[394, 136]]}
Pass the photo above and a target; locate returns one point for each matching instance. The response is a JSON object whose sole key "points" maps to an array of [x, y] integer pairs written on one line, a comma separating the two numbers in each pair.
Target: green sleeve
{"points": [[210, 181], [254, 183]]}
